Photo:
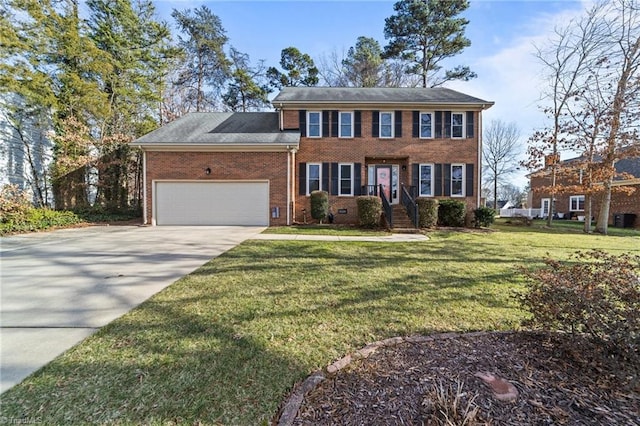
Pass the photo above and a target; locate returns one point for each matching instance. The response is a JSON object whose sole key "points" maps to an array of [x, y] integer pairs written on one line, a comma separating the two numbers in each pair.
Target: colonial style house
{"points": [[258, 168], [624, 209]]}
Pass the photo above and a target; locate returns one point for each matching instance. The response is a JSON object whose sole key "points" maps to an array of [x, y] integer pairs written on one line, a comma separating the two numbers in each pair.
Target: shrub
{"points": [[597, 294], [369, 211], [38, 220], [451, 213], [428, 211], [319, 205], [484, 216], [14, 204]]}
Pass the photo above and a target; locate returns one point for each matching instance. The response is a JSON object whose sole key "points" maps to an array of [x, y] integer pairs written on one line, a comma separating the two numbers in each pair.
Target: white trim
{"points": [[577, 198], [319, 124], [351, 113], [542, 210], [478, 166], [351, 166], [392, 113], [308, 192], [433, 124], [463, 168], [145, 216], [431, 165]]}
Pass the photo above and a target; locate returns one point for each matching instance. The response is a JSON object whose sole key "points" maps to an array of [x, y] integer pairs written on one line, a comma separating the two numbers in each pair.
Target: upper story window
{"points": [[345, 119], [314, 124], [426, 180], [457, 125], [345, 177], [576, 203], [457, 180], [314, 177], [426, 125], [386, 124]]}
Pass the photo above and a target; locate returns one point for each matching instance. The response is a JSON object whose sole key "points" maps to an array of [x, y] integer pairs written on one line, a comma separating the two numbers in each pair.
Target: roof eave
{"points": [[381, 104], [207, 147]]}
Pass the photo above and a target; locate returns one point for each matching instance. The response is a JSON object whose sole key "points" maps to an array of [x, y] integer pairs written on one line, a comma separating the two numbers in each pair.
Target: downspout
{"points": [[292, 186], [288, 186], [478, 183], [144, 187]]}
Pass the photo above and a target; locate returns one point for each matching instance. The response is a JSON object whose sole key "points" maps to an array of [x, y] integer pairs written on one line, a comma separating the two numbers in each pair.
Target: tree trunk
{"points": [[603, 217]]}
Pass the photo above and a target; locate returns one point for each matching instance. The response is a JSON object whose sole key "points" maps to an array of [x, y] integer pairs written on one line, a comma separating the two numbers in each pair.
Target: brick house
{"points": [[625, 205], [259, 168]]}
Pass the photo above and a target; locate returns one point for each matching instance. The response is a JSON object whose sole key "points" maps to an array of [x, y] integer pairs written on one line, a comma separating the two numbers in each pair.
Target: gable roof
{"points": [[376, 95], [220, 129]]}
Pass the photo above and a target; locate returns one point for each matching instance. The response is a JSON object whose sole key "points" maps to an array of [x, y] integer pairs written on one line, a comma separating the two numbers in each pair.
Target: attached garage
{"points": [[211, 203]]}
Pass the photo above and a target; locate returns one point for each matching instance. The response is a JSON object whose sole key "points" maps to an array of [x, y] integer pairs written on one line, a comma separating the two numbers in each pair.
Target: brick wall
{"points": [[270, 166], [367, 149]]}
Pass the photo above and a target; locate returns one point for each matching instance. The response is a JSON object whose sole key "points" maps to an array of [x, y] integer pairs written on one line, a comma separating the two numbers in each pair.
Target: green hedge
{"points": [[428, 212], [319, 205], [38, 220], [451, 213], [484, 217], [369, 211]]}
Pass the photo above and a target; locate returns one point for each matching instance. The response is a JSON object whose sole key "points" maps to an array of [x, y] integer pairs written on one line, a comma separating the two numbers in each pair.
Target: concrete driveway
{"points": [[59, 287]]}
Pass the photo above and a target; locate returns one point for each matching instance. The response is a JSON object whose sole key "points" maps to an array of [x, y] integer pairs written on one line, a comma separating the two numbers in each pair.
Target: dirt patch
{"points": [[414, 382]]}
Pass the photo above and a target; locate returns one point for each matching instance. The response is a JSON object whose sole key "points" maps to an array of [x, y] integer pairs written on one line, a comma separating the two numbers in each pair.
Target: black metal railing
{"points": [[410, 206], [386, 206], [369, 190]]}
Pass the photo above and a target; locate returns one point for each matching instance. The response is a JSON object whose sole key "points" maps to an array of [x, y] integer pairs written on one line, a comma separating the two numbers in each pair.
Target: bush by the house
{"points": [[595, 293], [484, 217], [451, 213], [14, 204], [428, 212], [369, 211], [319, 205]]}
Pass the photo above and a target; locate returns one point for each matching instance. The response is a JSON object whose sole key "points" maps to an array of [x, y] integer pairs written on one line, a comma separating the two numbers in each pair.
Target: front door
{"points": [[546, 206], [387, 176]]}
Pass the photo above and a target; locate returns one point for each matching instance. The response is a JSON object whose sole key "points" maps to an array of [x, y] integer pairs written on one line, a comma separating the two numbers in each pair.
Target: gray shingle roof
{"points": [[221, 128], [378, 95]]}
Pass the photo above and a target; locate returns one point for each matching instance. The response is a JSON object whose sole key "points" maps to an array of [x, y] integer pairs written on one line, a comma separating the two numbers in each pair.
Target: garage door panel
{"points": [[212, 203]]}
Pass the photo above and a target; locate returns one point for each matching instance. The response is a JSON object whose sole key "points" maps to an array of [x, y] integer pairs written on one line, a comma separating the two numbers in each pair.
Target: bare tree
{"points": [[499, 153]]}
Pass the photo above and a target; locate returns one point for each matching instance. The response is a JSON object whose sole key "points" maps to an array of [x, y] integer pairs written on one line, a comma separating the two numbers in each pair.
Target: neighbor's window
{"points": [[426, 180], [314, 177], [386, 124], [346, 124], [345, 177], [576, 203], [457, 125], [426, 125], [457, 180], [314, 124]]}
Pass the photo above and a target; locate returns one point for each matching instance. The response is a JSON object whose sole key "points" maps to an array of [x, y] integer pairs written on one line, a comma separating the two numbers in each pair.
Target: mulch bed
{"points": [[560, 380]]}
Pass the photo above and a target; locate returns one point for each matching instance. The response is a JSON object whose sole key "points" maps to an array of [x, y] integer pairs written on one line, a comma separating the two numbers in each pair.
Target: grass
{"points": [[325, 229], [225, 344]]}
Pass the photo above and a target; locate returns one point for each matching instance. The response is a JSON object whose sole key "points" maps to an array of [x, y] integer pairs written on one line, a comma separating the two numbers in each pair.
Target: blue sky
{"points": [[502, 33]]}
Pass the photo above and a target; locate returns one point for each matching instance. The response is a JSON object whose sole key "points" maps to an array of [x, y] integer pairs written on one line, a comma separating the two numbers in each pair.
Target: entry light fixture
{"points": [[207, 171]]}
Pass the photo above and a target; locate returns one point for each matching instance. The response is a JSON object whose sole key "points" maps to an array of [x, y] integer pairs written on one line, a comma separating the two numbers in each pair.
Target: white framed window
{"points": [[576, 203], [314, 124], [457, 180], [345, 124], [426, 180], [457, 124], [314, 177], [345, 179], [426, 125], [386, 124]]}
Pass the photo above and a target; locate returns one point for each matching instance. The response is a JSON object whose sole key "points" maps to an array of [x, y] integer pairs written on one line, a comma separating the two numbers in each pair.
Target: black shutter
{"points": [[325, 123], [375, 124], [357, 178], [415, 177], [357, 123], [447, 124], [438, 124], [446, 177], [398, 124], [416, 124], [469, 179], [302, 119], [334, 179], [438, 189], [325, 177], [470, 124], [334, 124], [302, 179]]}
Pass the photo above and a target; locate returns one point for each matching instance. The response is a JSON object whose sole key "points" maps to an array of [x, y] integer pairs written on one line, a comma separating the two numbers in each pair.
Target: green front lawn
{"points": [[226, 344]]}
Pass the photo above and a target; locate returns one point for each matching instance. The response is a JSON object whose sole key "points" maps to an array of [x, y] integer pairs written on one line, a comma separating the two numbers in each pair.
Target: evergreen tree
{"points": [[244, 91], [425, 33], [299, 70], [364, 66]]}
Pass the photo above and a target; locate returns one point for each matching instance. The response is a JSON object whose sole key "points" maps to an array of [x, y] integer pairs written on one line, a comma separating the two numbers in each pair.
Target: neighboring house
{"points": [[625, 205], [259, 168]]}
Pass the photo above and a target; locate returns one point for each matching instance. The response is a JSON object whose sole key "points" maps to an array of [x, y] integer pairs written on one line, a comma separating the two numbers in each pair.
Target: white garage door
{"points": [[212, 203]]}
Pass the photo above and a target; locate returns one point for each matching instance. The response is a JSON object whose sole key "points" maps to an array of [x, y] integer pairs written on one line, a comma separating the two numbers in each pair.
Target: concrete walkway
{"points": [[60, 287]]}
